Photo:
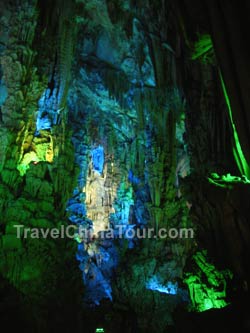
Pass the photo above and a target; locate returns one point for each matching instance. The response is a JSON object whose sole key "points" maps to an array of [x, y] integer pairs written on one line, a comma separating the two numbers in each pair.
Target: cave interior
{"points": [[118, 117]]}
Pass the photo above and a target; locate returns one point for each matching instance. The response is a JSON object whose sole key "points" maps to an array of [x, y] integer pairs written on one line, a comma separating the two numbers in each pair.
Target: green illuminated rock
{"points": [[207, 285]]}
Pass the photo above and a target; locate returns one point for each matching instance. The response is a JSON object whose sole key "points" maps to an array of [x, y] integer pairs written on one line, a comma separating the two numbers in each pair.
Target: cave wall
{"points": [[120, 75], [35, 180], [220, 212]]}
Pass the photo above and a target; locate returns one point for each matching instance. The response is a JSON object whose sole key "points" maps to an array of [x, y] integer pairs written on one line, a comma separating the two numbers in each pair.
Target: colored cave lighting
{"points": [[202, 46], [207, 287], [98, 159], [23, 166], [99, 330], [43, 121], [154, 284], [132, 178], [3, 93], [237, 150], [204, 298], [49, 111], [226, 180], [43, 152]]}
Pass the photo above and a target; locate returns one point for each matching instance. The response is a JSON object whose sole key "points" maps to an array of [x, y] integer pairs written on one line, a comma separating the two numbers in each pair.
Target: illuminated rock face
{"points": [[100, 192], [98, 159], [208, 286], [108, 204], [105, 143], [3, 93], [170, 288]]}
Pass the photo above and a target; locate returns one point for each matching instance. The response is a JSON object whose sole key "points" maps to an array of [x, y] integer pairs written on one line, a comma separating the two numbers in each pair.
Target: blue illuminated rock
{"points": [[98, 159]]}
